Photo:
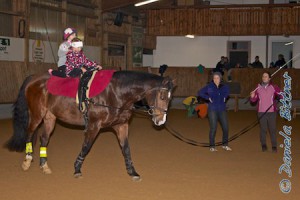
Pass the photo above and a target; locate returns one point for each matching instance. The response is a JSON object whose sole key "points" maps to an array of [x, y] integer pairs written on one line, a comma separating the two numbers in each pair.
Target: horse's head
{"points": [[158, 100]]}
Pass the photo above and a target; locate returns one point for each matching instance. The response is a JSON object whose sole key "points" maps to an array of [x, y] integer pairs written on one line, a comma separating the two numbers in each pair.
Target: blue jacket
{"points": [[218, 96]]}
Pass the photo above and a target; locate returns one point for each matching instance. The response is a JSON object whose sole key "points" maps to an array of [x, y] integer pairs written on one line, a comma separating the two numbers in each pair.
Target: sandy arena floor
{"points": [[170, 169]]}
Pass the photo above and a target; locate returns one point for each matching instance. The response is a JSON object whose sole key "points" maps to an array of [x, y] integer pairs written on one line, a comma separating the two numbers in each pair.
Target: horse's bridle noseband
{"points": [[155, 107], [151, 110]]}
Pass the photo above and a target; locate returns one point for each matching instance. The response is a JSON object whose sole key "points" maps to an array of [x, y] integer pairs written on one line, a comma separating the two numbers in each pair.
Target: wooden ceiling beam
{"points": [[155, 7], [109, 5], [115, 4]]}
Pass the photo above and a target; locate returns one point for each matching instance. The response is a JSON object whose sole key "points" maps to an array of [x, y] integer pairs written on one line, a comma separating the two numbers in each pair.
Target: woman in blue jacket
{"points": [[216, 93]]}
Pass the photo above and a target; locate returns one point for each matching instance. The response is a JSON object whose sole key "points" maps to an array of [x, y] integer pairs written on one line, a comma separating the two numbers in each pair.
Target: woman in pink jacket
{"points": [[265, 95]]}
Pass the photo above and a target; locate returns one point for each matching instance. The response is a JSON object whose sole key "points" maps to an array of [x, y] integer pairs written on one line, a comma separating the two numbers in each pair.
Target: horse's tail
{"points": [[20, 121]]}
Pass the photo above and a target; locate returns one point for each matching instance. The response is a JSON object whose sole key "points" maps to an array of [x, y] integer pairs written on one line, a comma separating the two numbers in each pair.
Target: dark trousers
{"points": [[82, 88], [214, 117], [268, 121], [60, 72]]}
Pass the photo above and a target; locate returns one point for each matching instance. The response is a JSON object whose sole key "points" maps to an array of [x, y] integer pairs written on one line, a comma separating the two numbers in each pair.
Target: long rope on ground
{"points": [[186, 140], [179, 136]]}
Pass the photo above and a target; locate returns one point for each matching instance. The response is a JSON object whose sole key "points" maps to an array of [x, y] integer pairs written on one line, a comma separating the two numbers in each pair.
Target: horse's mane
{"points": [[128, 77]]}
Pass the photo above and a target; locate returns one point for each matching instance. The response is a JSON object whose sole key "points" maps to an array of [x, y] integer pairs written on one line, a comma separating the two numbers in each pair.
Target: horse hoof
{"points": [[136, 178], [78, 175], [26, 165], [46, 169]]}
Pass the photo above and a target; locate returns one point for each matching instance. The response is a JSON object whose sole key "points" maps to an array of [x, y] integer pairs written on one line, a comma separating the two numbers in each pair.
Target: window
{"points": [[45, 20], [6, 21], [77, 22], [116, 50], [77, 16], [239, 52]]}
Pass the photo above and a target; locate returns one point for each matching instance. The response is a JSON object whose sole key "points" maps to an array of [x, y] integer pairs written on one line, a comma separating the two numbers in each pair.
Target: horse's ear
{"points": [[170, 83], [166, 80], [174, 82]]}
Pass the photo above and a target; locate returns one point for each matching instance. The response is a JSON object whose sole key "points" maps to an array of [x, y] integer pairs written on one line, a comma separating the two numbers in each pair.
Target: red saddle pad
{"points": [[68, 86]]}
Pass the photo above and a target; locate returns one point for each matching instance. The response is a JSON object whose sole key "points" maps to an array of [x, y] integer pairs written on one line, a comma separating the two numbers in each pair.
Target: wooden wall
{"points": [[266, 20], [100, 31], [122, 35], [188, 79], [249, 78], [13, 74]]}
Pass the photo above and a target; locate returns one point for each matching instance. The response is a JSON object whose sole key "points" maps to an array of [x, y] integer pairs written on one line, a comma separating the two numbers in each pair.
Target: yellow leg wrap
{"points": [[29, 147], [43, 152]]}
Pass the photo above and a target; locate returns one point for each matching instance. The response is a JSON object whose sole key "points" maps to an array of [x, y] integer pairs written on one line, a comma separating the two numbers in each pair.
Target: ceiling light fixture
{"points": [[190, 36], [145, 2], [289, 43]]}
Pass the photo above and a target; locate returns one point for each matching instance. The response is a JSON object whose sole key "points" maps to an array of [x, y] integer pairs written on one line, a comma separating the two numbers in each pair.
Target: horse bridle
{"points": [[149, 111], [155, 107]]}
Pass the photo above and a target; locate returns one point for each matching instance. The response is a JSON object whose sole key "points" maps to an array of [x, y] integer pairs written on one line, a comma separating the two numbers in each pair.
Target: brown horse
{"points": [[111, 108]]}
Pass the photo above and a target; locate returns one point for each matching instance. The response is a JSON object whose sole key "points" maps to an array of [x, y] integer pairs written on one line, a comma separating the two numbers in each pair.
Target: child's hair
{"points": [[76, 42]]}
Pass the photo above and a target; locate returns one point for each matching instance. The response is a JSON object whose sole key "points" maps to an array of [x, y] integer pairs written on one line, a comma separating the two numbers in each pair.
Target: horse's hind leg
{"points": [[122, 134], [49, 123], [29, 150]]}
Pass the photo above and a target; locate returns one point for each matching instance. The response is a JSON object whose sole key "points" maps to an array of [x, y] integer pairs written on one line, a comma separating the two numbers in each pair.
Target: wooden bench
{"points": [[296, 111], [236, 101], [235, 91]]}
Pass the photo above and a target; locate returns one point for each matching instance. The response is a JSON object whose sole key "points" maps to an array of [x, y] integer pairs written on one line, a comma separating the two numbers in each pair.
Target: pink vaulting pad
{"points": [[68, 86]]}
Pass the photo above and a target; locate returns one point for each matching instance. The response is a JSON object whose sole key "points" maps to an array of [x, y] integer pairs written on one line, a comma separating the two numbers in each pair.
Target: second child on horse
{"points": [[64, 47]]}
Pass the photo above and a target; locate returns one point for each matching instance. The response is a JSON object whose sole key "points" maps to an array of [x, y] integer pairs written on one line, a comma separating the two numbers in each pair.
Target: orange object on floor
{"points": [[201, 109]]}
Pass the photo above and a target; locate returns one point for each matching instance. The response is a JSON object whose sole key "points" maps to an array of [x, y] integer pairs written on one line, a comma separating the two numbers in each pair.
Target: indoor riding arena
{"points": [[165, 99]]}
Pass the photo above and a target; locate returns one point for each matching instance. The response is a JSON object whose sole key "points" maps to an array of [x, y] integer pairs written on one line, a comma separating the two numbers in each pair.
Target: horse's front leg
{"points": [[122, 134], [90, 136]]}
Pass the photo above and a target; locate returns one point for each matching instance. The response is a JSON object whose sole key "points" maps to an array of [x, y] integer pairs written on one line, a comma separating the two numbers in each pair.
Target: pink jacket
{"points": [[265, 95], [76, 60]]}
